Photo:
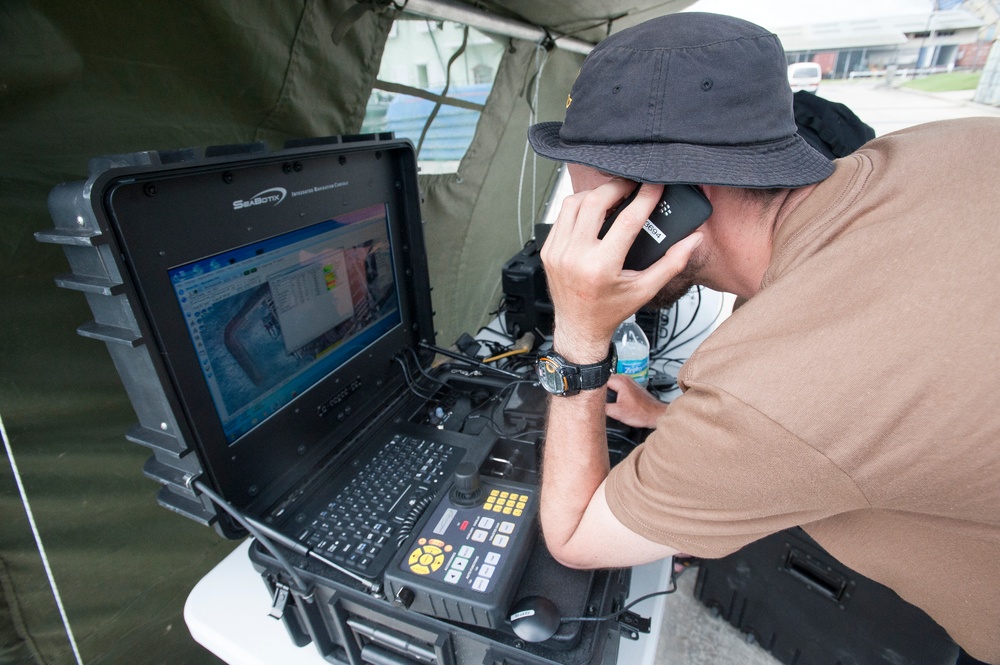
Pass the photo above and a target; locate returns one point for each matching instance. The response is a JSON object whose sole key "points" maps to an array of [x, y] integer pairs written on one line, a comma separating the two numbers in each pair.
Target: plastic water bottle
{"points": [[633, 351]]}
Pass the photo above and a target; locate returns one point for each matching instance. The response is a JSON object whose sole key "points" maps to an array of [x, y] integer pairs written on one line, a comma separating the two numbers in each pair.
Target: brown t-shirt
{"points": [[858, 393]]}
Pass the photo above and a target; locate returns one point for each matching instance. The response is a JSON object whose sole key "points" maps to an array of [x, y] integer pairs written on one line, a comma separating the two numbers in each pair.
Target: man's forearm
{"points": [[575, 463]]}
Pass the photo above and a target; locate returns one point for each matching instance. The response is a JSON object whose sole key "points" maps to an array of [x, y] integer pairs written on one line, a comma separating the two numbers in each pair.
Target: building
{"points": [[935, 40]]}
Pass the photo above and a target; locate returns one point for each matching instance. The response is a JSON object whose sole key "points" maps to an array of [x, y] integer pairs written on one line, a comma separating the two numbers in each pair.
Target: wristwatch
{"points": [[561, 377]]}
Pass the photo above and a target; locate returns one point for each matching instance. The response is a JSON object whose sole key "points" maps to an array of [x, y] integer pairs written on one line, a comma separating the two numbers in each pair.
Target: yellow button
{"points": [[517, 513], [506, 511], [520, 505], [494, 492], [504, 495], [420, 570]]}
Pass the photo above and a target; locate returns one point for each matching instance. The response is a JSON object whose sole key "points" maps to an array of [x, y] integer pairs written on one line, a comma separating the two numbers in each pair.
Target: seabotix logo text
{"points": [[274, 196]]}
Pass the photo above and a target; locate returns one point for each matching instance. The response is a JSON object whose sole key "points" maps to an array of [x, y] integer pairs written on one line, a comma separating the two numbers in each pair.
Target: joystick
{"points": [[467, 491]]}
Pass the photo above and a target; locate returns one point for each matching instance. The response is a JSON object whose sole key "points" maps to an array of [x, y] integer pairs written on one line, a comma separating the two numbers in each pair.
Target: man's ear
{"points": [[710, 192]]}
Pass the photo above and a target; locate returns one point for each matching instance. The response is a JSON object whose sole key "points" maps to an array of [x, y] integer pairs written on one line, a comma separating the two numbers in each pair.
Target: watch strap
{"points": [[596, 375], [579, 377]]}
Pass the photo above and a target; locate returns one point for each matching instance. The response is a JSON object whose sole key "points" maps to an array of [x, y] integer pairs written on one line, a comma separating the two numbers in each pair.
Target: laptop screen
{"points": [[270, 319]]}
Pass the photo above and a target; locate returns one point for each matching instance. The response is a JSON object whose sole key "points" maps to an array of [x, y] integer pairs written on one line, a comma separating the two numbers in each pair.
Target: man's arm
{"points": [[592, 294], [580, 529]]}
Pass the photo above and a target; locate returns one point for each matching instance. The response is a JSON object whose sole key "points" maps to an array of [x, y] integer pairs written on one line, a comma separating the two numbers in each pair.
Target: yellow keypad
{"points": [[506, 503]]}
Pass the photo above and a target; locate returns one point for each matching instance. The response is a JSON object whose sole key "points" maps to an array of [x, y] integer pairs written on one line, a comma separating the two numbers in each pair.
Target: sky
{"points": [[777, 13]]}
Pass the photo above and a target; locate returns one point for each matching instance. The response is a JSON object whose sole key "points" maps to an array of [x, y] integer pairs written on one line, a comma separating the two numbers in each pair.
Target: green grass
{"points": [[945, 82]]}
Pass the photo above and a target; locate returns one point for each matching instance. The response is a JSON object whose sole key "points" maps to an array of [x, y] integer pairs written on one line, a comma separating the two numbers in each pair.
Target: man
{"points": [[853, 394]]}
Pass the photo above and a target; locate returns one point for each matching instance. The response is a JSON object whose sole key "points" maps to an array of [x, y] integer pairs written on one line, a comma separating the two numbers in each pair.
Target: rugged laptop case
{"points": [[134, 221]]}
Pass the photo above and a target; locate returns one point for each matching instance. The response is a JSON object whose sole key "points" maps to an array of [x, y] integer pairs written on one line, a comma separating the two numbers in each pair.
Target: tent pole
{"points": [[448, 10]]}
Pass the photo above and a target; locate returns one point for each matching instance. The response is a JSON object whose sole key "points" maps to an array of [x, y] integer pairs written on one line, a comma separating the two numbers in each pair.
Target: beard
{"points": [[672, 291], [675, 289]]}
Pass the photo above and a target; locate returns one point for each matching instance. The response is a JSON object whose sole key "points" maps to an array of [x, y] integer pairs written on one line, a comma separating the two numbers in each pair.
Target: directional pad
{"points": [[428, 556]]}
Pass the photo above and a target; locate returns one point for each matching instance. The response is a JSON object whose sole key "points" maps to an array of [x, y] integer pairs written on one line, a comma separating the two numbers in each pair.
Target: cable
{"points": [[690, 562], [427, 375], [523, 345], [41, 548], [497, 400], [722, 307], [467, 359], [505, 354], [615, 615], [409, 380], [497, 316], [254, 531], [532, 105], [694, 316], [447, 84], [258, 531]]}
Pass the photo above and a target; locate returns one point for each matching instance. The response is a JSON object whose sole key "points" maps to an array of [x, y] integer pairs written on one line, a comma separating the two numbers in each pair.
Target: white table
{"points": [[227, 613]]}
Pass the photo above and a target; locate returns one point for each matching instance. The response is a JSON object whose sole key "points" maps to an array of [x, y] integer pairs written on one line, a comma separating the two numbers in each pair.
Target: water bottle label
{"points": [[637, 368]]}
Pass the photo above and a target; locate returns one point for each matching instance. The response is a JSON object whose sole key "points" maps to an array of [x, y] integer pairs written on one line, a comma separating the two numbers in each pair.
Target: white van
{"points": [[804, 76]]}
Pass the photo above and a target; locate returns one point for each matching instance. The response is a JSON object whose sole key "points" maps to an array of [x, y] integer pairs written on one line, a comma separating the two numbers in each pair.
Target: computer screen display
{"points": [[270, 319]]}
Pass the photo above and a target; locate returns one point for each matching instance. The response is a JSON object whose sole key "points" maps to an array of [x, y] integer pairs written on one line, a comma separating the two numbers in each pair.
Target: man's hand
{"points": [[634, 405], [590, 291]]}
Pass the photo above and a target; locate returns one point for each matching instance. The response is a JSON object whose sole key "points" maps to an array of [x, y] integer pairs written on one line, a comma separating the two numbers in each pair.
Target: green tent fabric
{"points": [[86, 78], [94, 78]]}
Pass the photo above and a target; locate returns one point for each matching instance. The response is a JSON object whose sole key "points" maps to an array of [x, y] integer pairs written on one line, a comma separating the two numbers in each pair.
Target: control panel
{"points": [[467, 560]]}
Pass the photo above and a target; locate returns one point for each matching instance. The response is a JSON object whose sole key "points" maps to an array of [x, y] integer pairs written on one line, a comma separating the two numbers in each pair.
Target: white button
{"points": [[486, 522], [480, 584], [452, 576], [506, 527], [493, 558], [466, 551], [459, 563], [479, 535], [486, 571], [500, 541]]}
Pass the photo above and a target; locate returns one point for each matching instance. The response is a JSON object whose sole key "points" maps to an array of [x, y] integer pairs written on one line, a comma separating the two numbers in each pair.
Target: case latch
{"points": [[279, 602], [632, 624]]}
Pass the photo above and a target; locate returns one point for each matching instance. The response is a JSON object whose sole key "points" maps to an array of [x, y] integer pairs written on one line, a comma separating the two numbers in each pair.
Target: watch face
{"points": [[549, 376]]}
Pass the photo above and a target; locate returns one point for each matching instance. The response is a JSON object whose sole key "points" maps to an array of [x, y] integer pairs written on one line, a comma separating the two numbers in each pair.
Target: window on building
{"points": [[450, 97]]}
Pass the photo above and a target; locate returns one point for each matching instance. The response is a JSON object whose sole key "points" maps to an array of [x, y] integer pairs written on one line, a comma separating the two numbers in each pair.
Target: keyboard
{"points": [[370, 518]]}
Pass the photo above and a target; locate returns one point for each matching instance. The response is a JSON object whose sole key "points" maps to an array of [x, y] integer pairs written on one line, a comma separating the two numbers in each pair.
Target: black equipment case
{"points": [[526, 304], [269, 314], [788, 594]]}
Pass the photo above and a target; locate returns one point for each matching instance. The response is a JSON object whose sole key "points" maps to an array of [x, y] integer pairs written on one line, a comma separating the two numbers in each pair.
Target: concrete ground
{"points": [[887, 109], [690, 634]]}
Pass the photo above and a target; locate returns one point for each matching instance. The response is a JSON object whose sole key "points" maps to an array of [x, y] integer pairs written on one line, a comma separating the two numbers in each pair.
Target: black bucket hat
{"points": [[689, 98]]}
